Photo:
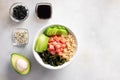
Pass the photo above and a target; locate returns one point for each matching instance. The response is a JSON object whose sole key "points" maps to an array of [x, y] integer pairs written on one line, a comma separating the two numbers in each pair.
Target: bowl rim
{"points": [[39, 60]]}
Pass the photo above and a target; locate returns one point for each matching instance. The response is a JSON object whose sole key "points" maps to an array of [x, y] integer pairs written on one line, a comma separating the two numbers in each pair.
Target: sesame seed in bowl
{"points": [[20, 36]]}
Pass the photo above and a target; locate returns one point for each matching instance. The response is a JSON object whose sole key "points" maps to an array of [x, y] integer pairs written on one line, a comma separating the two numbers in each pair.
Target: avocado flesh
{"points": [[14, 58], [41, 43]]}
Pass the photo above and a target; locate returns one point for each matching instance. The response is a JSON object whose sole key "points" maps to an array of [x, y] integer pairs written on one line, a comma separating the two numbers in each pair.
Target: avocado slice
{"points": [[41, 43], [20, 63]]}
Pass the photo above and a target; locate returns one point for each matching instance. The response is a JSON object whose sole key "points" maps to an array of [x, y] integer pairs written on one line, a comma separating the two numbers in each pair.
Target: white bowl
{"points": [[39, 60], [11, 11]]}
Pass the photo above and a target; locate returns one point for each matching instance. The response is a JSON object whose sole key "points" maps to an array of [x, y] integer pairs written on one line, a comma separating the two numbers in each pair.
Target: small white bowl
{"points": [[43, 3], [39, 60], [11, 11], [21, 30]]}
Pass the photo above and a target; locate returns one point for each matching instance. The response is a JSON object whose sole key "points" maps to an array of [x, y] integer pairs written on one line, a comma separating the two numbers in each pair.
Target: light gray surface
{"points": [[95, 23]]}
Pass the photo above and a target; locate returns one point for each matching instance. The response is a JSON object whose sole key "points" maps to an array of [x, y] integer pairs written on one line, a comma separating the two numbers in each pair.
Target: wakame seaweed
{"points": [[19, 12], [53, 60]]}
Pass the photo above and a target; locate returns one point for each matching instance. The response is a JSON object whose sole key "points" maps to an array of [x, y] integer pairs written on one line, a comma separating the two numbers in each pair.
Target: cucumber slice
{"points": [[62, 32], [56, 30]]}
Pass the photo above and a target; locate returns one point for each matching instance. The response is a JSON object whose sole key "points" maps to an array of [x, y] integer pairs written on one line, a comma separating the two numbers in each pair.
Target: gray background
{"points": [[96, 25]]}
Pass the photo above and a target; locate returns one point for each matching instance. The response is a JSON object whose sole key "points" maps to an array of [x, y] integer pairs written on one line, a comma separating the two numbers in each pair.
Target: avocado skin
{"points": [[29, 63]]}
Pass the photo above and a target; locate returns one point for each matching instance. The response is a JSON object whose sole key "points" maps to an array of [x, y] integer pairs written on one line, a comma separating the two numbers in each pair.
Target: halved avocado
{"points": [[14, 58], [41, 43]]}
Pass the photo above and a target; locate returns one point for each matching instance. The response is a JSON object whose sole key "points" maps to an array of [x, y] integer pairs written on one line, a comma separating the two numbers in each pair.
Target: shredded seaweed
{"points": [[53, 60], [19, 12]]}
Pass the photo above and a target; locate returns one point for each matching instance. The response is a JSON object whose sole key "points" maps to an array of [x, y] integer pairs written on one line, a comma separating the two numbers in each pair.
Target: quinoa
{"points": [[69, 51], [20, 37]]}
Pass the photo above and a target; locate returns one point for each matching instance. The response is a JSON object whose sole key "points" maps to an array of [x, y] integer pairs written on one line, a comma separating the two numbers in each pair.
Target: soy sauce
{"points": [[44, 11]]}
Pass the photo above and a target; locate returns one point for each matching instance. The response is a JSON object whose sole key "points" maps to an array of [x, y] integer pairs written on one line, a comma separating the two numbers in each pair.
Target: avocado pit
{"points": [[21, 65]]}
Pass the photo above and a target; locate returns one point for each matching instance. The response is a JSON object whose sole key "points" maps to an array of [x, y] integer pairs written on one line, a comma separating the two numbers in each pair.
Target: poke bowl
{"points": [[55, 46]]}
